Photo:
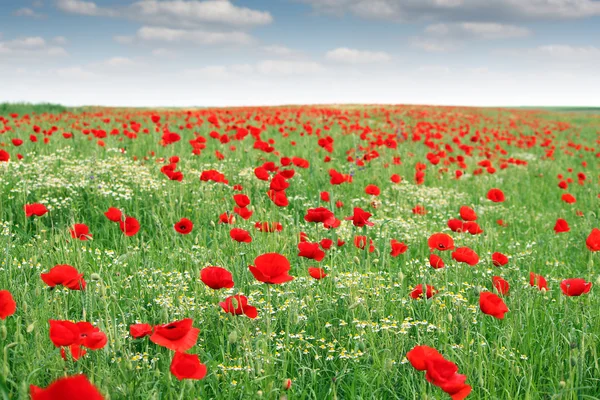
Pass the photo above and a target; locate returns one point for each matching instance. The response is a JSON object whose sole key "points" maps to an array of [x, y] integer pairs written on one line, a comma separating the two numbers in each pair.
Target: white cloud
{"points": [[75, 73], [162, 52], [446, 37], [353, 56], [211, 71], [569, 53], [434, 45], [84, 8], [471, 10], [119, 62], [159, 34], [284, 67], [33, 46], [279, 50], [59, 40], [27, 12], [123, 39], [269, 68], [477, 30], [197, 13], [175, 13]]}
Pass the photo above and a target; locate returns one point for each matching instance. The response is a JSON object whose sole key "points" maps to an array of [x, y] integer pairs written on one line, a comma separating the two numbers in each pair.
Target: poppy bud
{"points": [[287, 384], [233, 337], [400, 276], [449, 317], [30, 327], [3, 332], [562, 384], [259, 393], [376, 261], [356, 260], [95, 277]]}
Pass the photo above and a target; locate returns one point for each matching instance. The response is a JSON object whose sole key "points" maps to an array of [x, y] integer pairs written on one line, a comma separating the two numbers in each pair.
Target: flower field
{"points": [[352, 252]]}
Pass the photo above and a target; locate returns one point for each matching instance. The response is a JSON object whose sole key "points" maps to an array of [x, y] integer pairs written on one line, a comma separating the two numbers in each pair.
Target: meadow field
{"points": [[365, 252]]}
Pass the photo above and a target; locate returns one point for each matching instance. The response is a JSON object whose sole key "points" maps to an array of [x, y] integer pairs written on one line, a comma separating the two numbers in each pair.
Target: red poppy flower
{"points": [[538, 280], [278, 198], [495, 195], [561, 226], [226, 218], [325, 196], [216, 278], [395, 178], [466, 255], [472, 227], [269, 227], [593, 240], [436, 261], [419, 210], [419, 355], [360, 218], [440, 241], [397, 248], [64, 333], [372, 190], [184, 226], [317, 273], [241, 200], [90, 336], [568, 198], [243, 212], [75, 350], [326, 243], [278, 183], [499, 259], [36, 209], [575, 286], [361, 243], [240, 235], [456, 225], [80, 231], [311, 251], [70, 387], [187, 366], [4, 156], [130, 226], [64, 275], [238, 305], [114, 214], [500, 284], [320, 215], [176, 336], [467, 214], [443, 374], [271, 268], [418, 291], [138, 331], [7, 304], [491, 304]]}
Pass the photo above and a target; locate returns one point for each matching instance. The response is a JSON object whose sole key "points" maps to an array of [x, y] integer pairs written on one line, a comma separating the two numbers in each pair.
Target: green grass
{"points": [[37, 108], [342, 337]]}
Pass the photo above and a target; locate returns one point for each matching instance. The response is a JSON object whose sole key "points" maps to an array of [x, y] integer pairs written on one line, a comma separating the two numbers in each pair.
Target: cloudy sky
{"points": [[259, 52]]}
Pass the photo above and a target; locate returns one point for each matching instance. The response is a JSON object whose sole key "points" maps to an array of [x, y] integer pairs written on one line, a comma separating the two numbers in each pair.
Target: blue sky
{"points": [[240, 52]]}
